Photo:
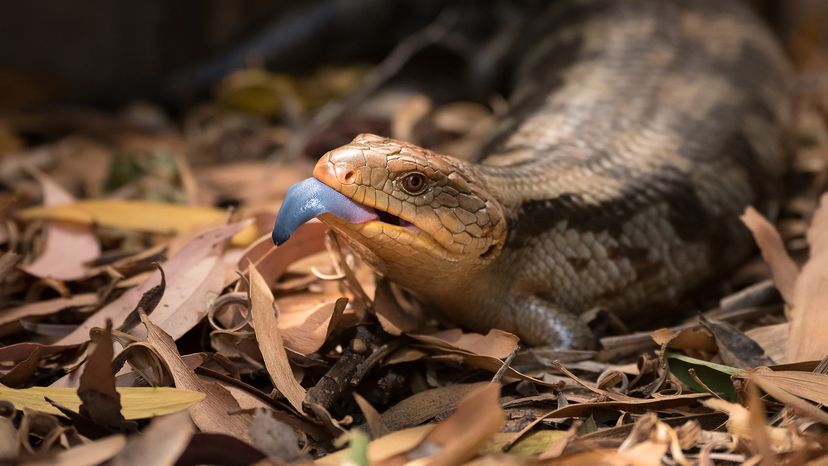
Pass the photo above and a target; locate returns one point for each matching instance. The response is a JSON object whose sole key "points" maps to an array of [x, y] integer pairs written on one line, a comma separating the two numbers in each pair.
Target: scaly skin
{"points": [[639, 131]]}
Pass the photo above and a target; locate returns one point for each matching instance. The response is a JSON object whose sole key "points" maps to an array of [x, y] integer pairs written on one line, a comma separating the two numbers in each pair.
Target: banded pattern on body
{"points": [[640, 131]]}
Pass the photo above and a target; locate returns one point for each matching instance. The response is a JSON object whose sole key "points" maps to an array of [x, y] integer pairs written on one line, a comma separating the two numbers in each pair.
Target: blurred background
{"points": [[111, 51], [164, 100]]}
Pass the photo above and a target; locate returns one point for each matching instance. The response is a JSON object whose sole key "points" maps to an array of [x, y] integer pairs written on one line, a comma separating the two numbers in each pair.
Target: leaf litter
{"points": [[143, 322]]}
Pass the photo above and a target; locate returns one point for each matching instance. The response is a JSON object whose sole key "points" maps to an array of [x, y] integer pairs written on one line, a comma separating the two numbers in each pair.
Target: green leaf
{"points": [[358, 450], [717, 377]]}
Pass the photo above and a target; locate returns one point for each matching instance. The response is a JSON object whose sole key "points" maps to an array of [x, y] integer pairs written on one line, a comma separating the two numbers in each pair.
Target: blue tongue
{"points": [[310, 198]]}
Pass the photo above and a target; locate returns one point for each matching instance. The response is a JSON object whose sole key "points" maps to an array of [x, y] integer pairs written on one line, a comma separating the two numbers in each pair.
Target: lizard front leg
{"points": [[540, 323]]}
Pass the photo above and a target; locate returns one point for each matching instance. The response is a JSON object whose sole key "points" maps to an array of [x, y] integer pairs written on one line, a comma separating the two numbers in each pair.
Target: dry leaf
{"points": [[687, 339], [773, 339], [152, 217], [783, 268], [495, 344], [67, 248], [308, 239], [101, 403], [160, 444], [758, 422], [211, 448], [792, 387], [20, 351], [219, 411], [306, 320], [136, 402], [273, 437], [269, 337], [739, 425], [376, 426], [427, 404], [88, 454], [477, 418], [187, 297], [49, 306], [21, 360], [196, 252], [808, 319], [735, 348], [390, 314]]}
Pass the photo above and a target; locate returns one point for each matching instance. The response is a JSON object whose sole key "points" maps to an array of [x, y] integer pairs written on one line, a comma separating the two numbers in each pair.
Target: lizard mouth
{"points": [[392, 219], [311, 198]]}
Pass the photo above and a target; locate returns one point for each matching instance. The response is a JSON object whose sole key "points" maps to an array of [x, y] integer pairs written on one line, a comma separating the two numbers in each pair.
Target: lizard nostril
{"points": [[349, 176]]}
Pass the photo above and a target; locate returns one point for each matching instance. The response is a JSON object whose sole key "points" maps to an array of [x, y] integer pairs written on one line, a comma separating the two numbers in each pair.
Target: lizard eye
{"points": [[414, 183]]}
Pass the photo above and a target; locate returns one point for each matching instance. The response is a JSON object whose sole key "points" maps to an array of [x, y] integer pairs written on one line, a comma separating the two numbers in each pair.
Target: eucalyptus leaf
{"points": [[717, 377]]}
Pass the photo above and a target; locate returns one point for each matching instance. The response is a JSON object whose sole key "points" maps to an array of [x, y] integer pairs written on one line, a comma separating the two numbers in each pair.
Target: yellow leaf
{"points": [[136, 402], [153, 217]]}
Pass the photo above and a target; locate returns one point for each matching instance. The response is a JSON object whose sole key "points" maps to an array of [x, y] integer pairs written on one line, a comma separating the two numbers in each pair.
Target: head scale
{"points": [[435, 212]]}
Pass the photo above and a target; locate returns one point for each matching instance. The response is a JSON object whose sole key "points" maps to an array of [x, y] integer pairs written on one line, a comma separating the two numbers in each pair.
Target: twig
{"points": [[754, 295], [636, 340], [340, 376], [373, 359], [508, 362]]}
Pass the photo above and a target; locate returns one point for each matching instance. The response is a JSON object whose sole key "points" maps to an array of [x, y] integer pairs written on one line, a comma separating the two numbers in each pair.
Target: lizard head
{"points": [[403, 208]]}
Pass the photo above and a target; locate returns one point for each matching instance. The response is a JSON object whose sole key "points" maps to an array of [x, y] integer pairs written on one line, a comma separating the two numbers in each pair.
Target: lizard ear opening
{"points": [[489, 252]]}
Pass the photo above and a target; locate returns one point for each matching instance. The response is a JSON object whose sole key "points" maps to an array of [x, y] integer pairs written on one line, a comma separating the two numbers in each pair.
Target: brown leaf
{"points": [[686, 339], [305, 241], [67, 248], [20, 374], [273, 437], [373, 419], [792, 387], [389, 313], [145, 361], [758, 423], [495, 344], [88, 454], [427, 404], [783, 269], [212, 448], [269, 338], [477, 418], [735, 348], [219, 412], [50, 306], [808, 319], [99, 400], [741, 424], [21, 353], [149, 301], [773, 339], [187, 296], [160, 444], [306, 320], [183, 269]]}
